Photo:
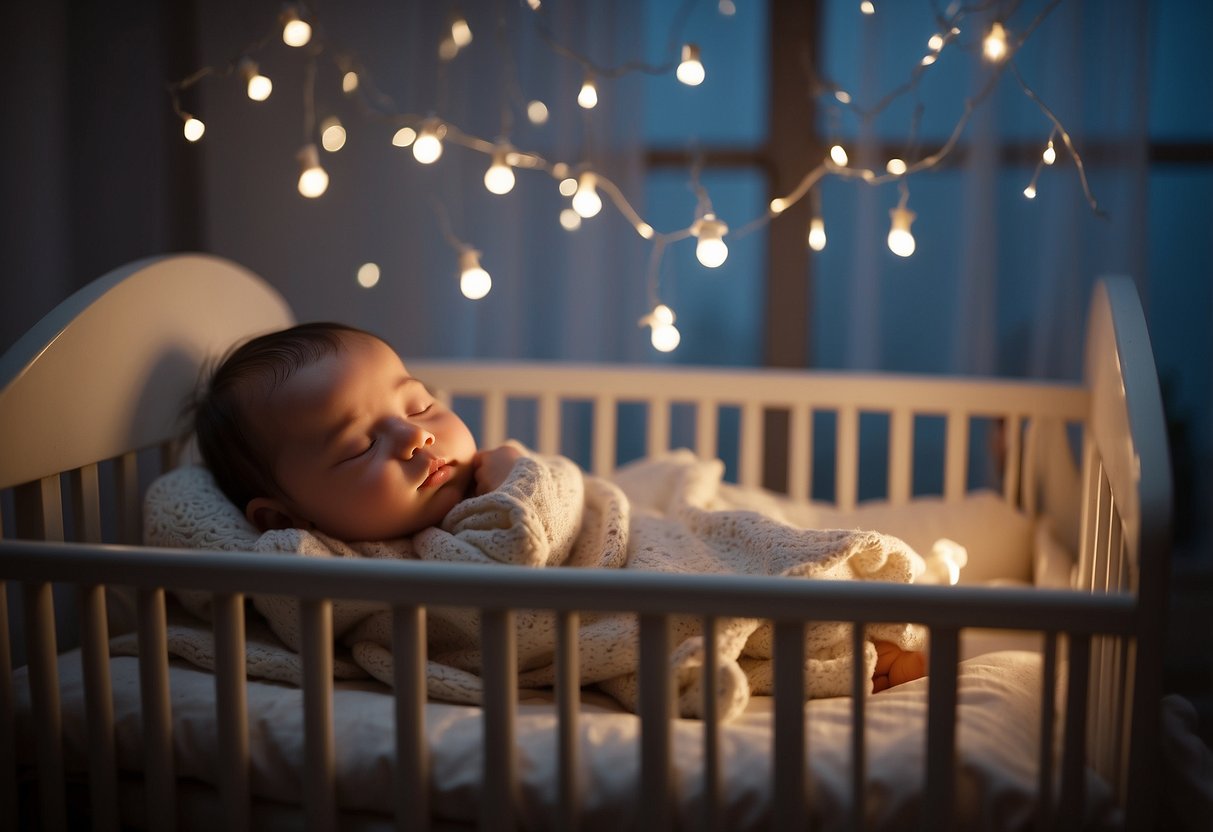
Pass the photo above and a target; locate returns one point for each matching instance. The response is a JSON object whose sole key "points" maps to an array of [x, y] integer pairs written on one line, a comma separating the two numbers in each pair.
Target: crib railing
{"points": [[1074, 619]]}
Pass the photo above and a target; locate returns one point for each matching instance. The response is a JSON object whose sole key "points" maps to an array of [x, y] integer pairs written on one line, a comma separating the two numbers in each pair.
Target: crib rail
{"points": [[1074, 619]]}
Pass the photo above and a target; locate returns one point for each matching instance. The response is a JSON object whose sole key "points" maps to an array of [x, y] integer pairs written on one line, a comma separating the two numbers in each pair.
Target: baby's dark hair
{"points": [[225, 437]]}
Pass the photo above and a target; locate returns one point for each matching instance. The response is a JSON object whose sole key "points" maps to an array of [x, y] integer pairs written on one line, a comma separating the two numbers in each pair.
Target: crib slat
{"points": [[129, 501], [549, 424], [568, 699], [499, 783], [707, 426], [44, 700], [956, 461], [711, 728], [901, 455], [789, 744], [658, 433], [1044, 779], [231, 697], [99, 703], [494, 418], [846, 482], [800, 451], [656, 811], [157, 711], [860, 685], [603, 454], [1073, 758], [86, 503], [39, 510], [412, 750], [320, 769], [749, 471], [8, 742], [941, 729], [1013, 432]]}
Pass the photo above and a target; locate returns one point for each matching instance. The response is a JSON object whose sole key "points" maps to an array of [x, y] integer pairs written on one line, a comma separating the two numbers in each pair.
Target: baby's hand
{"points": [[492, 467], [895, 666]]}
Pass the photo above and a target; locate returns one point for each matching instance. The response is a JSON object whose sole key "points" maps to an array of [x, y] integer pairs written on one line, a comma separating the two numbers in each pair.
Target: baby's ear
{"points": [[267, 514]]}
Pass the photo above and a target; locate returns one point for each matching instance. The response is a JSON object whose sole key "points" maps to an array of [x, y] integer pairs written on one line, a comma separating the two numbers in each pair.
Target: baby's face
{"points": [[361, 449]]}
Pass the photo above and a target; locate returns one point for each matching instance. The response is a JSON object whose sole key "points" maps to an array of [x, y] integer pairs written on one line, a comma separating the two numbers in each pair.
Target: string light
{"points": [[461, 33], [817, 234], [1030, 192], [842, 96], [570, 220], [1050, 155], [193, 128], [928, 59], [586, 201], [690, 71], [313, 180], [567, 186], [867, 7], [895, 166], [901, 240], [427, 148], [499, 178], [935, 42], [994, 47], [404, 137], [588, 97], [663, 335], [838, 155], [711, 249], [537, 112], [349, 82], [448, 49], [368, 275], [474, 281], [295, 30], [257, 85], [332, 134]]}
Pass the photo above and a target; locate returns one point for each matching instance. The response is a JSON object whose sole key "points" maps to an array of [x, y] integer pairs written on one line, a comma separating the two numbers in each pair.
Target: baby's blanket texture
{"points": [[667, 514]]}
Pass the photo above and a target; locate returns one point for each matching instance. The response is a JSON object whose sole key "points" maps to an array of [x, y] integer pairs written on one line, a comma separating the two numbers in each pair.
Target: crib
{"points": [[88, 414]]}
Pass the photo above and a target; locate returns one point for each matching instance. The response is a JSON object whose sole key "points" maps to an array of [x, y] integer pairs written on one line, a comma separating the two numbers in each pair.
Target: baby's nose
{"points": [[413, 437]]}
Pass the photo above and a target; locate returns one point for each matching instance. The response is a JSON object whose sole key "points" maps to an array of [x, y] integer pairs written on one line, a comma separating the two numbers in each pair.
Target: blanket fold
{"points": [[667, 514]]}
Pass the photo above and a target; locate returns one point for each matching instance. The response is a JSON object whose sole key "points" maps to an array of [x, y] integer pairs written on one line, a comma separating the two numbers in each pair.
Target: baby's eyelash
{"points": [[365, 450], [423, 410]]}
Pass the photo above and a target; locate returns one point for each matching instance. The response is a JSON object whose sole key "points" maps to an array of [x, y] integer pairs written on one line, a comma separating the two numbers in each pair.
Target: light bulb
{"points": [[193, 128], [994, 47], [778, 205], [349, 82], [895, 166], [586, 201], [332, 134], [645, 230], [567, 186], [665, 337], [570, 220], [1030, 192], [257, 85], [901, 241], [461, 33], [928, 59], [817, 234], [295, 30], [313, 181], [690, 71], [428, 146], [935, 43], [1050, 154], [404, 137], [711, 249], [838, 155], [842, 96], [588, 97], [474, 281], [662, 315], [368, 275], [534, 4], [499, 178], [537, 112], [867, 7]]}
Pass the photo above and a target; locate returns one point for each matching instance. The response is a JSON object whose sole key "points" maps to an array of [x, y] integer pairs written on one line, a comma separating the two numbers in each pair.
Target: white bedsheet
{"points": [[998, 697]]}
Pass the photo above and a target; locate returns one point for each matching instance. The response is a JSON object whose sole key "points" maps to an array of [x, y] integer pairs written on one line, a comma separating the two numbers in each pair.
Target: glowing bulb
{"points": [[994, 47], [662, 315], [838, 155], [428, 146], [817, 234], [461, 33], [690, 71], [368, 275], [534, 4], [927, 60], [295, 30], [349, 82], [474, 281], [499, 178], [586, 201], [778, 205], [867, 7], [935, 43], [537, 112], [404, 137], [901, 241], [1030, 192], [842, 96], [588, 97], [568, 186], [448, 49], [313, 181], [1050, 154], [332, 134], [727, 8], [711, 249], [193, 129], [645, 230], [570, 220], [665, 337], [257, 85], [895, 166]]}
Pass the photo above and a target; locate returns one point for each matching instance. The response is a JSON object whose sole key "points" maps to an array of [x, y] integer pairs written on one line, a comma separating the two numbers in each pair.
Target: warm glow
{"points": [[586, 201], [778, 205], [690, 71], [1030, 192], [295, 31], [901, 241], [404, 137], [313, 180], [711, 249], [537, 112], [662, 315], [257, 86], [1050, 154], [817, 234], [499, 178], [427, 149], [332, 134], [867, 7], [838, 155], [994, 47], [665, 337], [842, 96], [645, 230], [461, 33], [474, 281], [349, 82], [935, 43], [368, 275], [927, 60], [570, 220], [727, 8], [193, 129], [448, 49], [588, 97], [895, 166], [568, 186]]}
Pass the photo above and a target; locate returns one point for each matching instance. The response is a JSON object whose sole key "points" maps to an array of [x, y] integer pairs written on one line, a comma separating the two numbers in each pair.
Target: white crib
{"points": [[88, 406]]}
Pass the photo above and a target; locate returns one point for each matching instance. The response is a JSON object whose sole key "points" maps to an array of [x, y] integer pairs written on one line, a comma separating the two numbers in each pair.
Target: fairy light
{"points": [[727, 8], [461, 33], [994, 47], [368, 275], [901, 240], [499, 178], [690, 71], [842, 96], [193, 128], [295, 30], [645, 230], [427, 148], [448, 49], [778, 205], [895, 166], [586, 201], [404, 137], [1030, 191], [313, 180], [928, 59], [1049, 156], [817, 234], [474, 281], [537, 112], [838, 155], [867, 7], [935, 42], [332, 134], [570, 220], [664, 336], [349, 82], [257, 85], [711, 249], [588, 97]]}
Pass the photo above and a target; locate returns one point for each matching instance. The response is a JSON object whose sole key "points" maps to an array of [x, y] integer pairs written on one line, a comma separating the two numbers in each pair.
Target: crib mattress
{"points": [[998, 696]]}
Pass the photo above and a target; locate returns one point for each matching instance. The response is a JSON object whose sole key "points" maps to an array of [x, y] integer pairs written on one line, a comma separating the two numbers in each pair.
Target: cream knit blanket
{"points": [[668, 514]]}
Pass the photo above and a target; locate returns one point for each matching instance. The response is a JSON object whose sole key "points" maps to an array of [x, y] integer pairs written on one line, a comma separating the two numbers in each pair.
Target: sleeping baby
{"points": [[319, 432]]}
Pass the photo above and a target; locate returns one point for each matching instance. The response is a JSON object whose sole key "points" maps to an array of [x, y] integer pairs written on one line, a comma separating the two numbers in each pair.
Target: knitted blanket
{"points": [[668, 514]]}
